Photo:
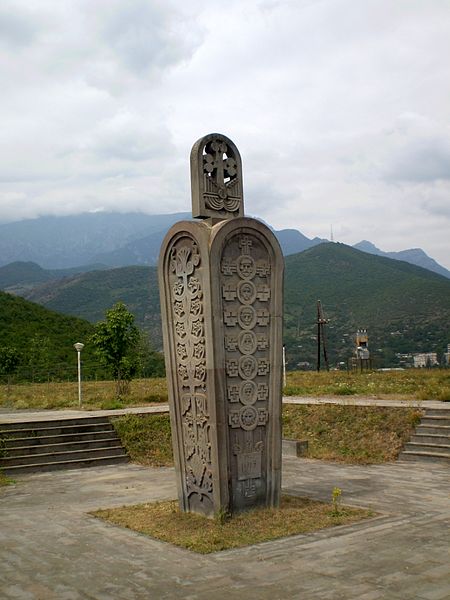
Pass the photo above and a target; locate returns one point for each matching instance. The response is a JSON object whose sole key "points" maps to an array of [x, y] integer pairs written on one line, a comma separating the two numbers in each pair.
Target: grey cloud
{"points": [[425, 161], [147, 35], [16, 27]]}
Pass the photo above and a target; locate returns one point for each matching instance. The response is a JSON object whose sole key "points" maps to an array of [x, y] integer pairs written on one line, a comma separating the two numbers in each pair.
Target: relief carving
{"points": [[187, 306], [216, 175], [246, 296]]}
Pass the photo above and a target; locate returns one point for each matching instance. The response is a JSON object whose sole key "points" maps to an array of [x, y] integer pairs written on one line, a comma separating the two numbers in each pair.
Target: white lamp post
{"points": [[79, 347]]}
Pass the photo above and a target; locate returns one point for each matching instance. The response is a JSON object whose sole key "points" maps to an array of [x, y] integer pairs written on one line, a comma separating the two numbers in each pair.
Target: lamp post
{"points": [[79, 347]]}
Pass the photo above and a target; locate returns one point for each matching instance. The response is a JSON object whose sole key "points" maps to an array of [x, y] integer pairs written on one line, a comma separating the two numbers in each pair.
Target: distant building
{"points": [[362, 345], [425, 359], [447, 356]]}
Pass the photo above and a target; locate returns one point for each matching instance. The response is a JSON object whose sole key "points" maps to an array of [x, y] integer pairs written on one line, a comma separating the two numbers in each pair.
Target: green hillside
{"points": [[44, 338], [89, 295], [405, 308]]}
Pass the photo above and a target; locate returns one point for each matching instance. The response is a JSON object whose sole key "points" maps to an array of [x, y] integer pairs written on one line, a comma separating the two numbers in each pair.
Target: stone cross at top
{"points": [[216, 178]]}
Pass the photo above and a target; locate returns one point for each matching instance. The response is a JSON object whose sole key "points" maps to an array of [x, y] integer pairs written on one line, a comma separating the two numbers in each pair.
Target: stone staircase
{"points": [[431, 440], [59, 444]]}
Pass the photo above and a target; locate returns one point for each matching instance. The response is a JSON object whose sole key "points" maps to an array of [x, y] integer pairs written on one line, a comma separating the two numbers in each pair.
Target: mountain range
{"points": [[406, 308], [92, 240]]}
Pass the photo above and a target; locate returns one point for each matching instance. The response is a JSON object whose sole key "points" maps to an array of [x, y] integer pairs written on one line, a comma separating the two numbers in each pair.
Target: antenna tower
{"points": [[321, 337]]}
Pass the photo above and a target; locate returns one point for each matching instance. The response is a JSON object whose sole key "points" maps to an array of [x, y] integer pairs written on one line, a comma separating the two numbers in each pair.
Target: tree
{"points": [[115, 341], [9, 361], [151, 362]]}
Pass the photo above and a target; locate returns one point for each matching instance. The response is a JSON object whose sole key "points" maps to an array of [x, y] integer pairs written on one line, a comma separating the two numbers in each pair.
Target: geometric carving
{"points": [[263, 391], [230, 318], [263, 293], [263, 316], [229, 292], [263, 366], [233, 393], [247, 417], [231, 342], [262, 341], [232, 367]]}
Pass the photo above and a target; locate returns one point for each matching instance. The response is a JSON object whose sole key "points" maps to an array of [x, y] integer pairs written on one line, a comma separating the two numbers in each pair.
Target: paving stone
{"points": [[51, 548]]}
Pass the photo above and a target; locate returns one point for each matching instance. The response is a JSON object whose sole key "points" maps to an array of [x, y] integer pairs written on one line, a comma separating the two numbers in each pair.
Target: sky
{"points": [[340, 110]]}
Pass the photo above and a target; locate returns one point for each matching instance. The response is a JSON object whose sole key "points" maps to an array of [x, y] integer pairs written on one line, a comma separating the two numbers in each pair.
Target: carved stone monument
{"points": [[221, 283]]}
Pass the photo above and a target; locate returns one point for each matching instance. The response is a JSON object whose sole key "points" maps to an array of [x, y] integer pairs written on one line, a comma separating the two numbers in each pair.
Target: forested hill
{"points": [[405, 308], [41, 334]]}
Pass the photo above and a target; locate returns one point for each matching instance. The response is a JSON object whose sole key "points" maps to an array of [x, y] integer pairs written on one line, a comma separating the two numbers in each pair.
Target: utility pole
{"points": [[321, 337]]}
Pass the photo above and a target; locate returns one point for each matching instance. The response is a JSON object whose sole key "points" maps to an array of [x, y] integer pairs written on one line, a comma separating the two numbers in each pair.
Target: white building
{"points": [[425, 359]]}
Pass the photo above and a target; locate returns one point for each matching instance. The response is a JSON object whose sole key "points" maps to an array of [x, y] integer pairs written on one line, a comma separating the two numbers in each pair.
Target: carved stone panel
{"points": [[184, 282], [246, 269], [216, 178]]}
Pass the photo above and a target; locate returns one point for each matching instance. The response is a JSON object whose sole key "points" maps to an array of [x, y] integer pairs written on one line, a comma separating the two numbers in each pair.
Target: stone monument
{"points": [[221, 286]]}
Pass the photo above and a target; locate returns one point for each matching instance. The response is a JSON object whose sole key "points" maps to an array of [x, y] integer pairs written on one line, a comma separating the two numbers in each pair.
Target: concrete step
{"points": [[424, 456], [437, 412], [67, 464], [429, 429], [45, 423], [435, 420], [53, 457], [58, 447], [420, 438], [29, 430], [443, 449], [12, 442]]}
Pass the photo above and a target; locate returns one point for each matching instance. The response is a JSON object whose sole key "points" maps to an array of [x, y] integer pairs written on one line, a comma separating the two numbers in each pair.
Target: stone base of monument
{"points": [[294, 447]]}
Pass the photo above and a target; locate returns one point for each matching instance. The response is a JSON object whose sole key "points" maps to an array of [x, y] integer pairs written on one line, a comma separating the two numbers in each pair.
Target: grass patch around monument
{"points": [[146, 438], [352, 434], [164, 521]]}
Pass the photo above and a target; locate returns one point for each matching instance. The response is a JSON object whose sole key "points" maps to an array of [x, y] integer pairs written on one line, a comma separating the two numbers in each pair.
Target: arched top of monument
{"points": [[216, 178]]}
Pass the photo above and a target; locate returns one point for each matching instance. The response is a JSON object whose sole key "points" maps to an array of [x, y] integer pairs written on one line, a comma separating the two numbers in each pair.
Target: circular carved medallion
{"points": [[246, 292], [247, 342], [248, 392], [248, 418], [248, 367], [246, 267], [247, 317]]}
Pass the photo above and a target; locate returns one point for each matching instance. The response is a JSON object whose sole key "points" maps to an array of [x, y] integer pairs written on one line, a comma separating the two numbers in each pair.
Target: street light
{"points": [[79, 347]]}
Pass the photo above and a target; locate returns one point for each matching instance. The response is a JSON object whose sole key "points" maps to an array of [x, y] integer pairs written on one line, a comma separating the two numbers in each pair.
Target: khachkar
{"points": [[221, 285]]}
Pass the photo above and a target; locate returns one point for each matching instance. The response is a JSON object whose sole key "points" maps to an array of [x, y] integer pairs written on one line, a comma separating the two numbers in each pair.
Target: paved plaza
{"points": [[52, 549]]}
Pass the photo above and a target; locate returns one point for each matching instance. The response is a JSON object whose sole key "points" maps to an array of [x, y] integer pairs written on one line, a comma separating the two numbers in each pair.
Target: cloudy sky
{"points": [[340, 109]]}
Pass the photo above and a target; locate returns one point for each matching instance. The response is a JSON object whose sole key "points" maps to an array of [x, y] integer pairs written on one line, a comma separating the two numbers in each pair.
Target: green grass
{"points": [[5, 480], [413, 384], [352, 434], [96, 395], [164, 521], [147, 438]]}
